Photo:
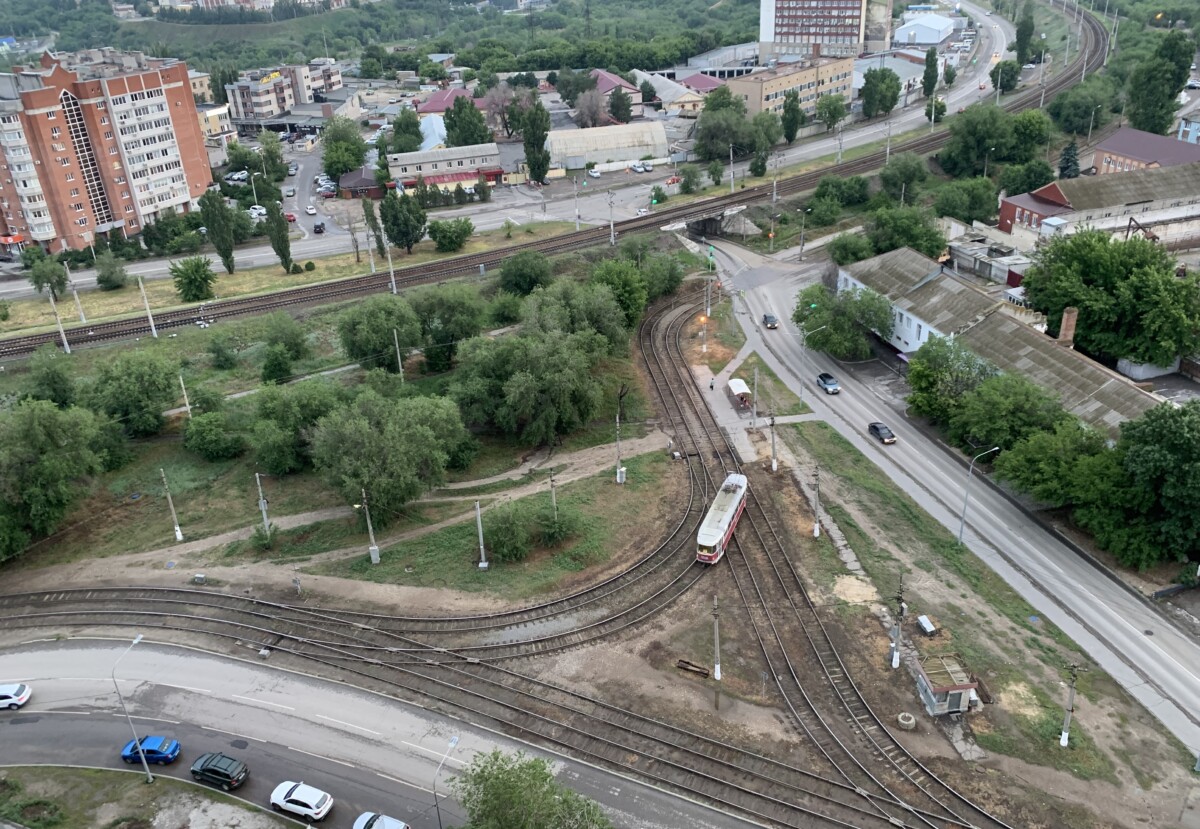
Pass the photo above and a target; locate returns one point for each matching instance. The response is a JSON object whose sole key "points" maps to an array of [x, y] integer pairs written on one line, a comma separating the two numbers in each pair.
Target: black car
{"points": [[220, 770], [879, 430], [319, 227], [828, 383], [770, 321]]}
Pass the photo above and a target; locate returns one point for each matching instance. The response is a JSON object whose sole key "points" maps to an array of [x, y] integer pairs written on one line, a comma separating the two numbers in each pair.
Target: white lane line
{"points": [[233, 734], [348, 724], [264, 702], [148, 719], [321, 757], [77, 713], [185, 687], [436, 752], [393, 779], [81, 679]]}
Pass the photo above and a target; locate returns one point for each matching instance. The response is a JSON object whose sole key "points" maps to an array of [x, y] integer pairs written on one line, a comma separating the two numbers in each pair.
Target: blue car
{"points": [[159, 750]]}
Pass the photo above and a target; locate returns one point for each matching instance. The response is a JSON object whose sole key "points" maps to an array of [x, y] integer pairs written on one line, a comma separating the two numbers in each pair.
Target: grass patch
{"points": [[446, 558], [497, 454], [531, 476], [773, 396]]}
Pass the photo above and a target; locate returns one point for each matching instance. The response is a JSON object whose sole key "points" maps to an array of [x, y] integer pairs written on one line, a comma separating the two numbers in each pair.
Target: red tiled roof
{"points": [[701, 83], [443, 99], [606, 82]]}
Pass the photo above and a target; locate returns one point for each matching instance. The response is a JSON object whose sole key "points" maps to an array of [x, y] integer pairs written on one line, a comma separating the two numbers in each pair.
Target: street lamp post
{"points": [[1042, 73], [1092, 122], [436, 805], [129, 719], [962, 521], [986, 157], [803, 216], [804, 332]]}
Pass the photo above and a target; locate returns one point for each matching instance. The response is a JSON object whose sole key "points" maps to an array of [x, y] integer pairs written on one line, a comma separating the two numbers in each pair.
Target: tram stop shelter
{"points": [[945, 686], [740, 392]]}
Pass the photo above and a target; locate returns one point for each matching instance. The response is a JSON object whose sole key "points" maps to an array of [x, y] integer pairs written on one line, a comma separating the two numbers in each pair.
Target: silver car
{"points": [[374, 820]]}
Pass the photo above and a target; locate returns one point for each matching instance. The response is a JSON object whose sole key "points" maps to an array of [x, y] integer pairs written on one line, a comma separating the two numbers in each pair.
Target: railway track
{"points": [[1093, 54]]}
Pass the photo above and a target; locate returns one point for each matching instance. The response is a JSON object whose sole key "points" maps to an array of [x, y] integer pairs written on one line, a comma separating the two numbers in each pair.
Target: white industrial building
{"points": [[608, 148], [927, 30]]}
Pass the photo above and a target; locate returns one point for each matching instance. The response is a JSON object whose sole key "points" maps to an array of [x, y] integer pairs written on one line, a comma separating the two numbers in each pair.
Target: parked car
{"points": [[158, 750], [647, 167], [310, 210], [674, 180], [291, 217], [771, 321], [328, 194], [220, 770], [882, 432], [1029, 66], [319, 227], [638, 168], [643, 211], [374, 820], [301, 799], [291, 191], [593, 174], [828, 383], [982, 85], [14, 696]]}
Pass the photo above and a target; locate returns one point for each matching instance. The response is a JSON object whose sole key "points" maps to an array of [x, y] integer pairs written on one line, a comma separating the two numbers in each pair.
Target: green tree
{"points": [[689, 179], [281, 328], [1003, 410], [135, 389], [194, 278], [845, 319], [497, 786], [648, 93], [451, 235], [940, 374], [110, 273], [506, 531], [366, 331], [1025, 178], [344, 148], [270, 153], [277, 232], [465, 125], [850, 247], [1068, 161], [48, 274], [50, 377], [1031, 131], [793, 116], [218, 221], [406, 132], [1025, 26], [222, 351], [935, 108], [372, 222], [949, 75], [448, 315], [210, 436], [831, 109], [758, 163], [717, 131], [570, 84], [285, 417], [620, 106], [722, 98], [845, 191], [658, 195], [1044, 464], [823, 212], [1073, 109], [1179, 52], [716, 171], [628, 286], [981, 134], [277, 367], [969, 200], [403, 220], [929, 79], [535, 127], [880, 92], [1005, 75], [1152, 103], [902, 176], [522, 273], [567, 307], [768, 130], [899, 227]]}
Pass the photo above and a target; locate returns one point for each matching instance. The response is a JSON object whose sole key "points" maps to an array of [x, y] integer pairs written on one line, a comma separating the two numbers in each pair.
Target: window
{"points": [[103, 118], [108, 135], [65, 162], [81, 222], [70, 176], [77, 207], [112, 150], [55, 132], [52, 115], [74, 191]]}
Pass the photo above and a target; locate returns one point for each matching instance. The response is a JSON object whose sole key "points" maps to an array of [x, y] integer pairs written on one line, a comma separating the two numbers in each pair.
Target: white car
{"points": [[310, 210], [14, 696], [643, 211], [374, 820], [301, 799], [593, 174]]}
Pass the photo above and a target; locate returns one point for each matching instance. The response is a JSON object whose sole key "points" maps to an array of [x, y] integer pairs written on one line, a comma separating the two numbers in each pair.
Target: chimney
{"points": [[1066, 329]]}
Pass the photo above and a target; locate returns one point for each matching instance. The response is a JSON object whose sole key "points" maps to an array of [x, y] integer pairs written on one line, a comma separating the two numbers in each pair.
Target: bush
{"points": [[506, 534], [505, 309], [261, 539], [296, 268], [278, 365], [282, 329], [554, 531], [522, 273], [208, 435], [206, 399], [5, 309], [224, 357], [310, 266]]}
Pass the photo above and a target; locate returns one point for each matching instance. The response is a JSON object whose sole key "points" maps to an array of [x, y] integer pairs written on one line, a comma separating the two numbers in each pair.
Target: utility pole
{"points": [[149, 316], [754, 401], [612, 233], [553, 497], [716, 641], [171, 504], [774, 462], [399, 359], [78, 304], [887, 153], [575, 182], [370, 250], [817, 502], [483, 562], [620, 402], [62, 333], [372, 550], [391, 270], [839, 140], [731, 169], [775, 182], [1074, 671], [186, 404], [262, 505], [901, 610]]}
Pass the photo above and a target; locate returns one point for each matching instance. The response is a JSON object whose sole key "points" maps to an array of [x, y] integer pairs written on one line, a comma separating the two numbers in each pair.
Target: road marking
{"points": [[436, 752], [83, 713], [321, 757], [233, 734], [264, 702], [185, 687], [393, 779], [347, 724], [147, 719]]}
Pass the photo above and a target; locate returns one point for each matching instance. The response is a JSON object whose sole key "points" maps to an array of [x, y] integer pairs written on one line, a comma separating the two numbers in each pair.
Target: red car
{"points": [[291, 217], [328, 194], [674, 180]]}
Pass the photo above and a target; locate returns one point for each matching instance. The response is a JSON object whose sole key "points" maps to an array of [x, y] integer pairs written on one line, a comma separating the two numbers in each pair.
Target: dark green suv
{"points": [[220, 770]]}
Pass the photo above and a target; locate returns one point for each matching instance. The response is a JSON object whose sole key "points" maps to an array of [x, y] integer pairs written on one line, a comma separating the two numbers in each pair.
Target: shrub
{"points": [[221, 350], [282, 329], [505, 309], [261, 539], [206, 399], [555, 530], [506, 534], [296, 268], [208, 435], [278, 365], [310, 265]]}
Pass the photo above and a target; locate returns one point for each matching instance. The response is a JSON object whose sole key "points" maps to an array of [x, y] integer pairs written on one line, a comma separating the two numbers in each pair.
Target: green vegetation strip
{"points": [[774, 397]]}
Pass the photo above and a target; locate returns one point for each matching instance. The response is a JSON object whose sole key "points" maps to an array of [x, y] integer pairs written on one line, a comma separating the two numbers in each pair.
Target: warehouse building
{"points": [[608, 148]]}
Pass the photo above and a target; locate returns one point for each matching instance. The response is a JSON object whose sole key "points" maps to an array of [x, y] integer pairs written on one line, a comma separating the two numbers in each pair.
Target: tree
{"points": [[451, 235], [135, 389], [722, 98], [648, 93], [940, 373], [717, 131], [280, 328], [222, 351], [403, 220], [831, 109], [497, 786], [768, 130], [46, 455], [285, 417], [270, 154], [218, 221], [1179, 52], [880, 92], [535, 127], [969, 200], [50, 377], [847, 192], [277, 367], [1073, 108], [345, 149], [850, 247], [1031, 131], [522, 273], [372, 223], [277, 232], [845, 319], [465, 125], [448, 315], [628, 286], [589, 108], [1131, 304], [209, 435], [1044, 464], [899, 227], [568, 307], [194, 278], [571, 84], [929, 79], [949, 75], [1005, 75], [1068, 161], [716, 171], [980, 134], [366, 331], [1024, 36], [902, 176], [406, 132], [793, 116], [935, 109], [110, 273], [48, 274], [689, 179], [1003, 410], [758, 164], [1025, 178], [1152, 103], [620, 106]]}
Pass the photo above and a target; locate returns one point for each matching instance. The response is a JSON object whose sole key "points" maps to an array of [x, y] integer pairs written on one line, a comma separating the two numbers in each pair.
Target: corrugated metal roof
{"points": [[1134, 187], [649, 137], [1149, 148]]}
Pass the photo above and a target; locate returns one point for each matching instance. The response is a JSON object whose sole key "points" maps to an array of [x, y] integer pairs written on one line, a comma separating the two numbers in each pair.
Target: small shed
{"points": [[740, 392], [945, 687]]}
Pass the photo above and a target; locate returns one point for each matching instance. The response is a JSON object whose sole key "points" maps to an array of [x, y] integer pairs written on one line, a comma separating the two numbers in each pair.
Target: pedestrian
{"points": [[711, 383]]}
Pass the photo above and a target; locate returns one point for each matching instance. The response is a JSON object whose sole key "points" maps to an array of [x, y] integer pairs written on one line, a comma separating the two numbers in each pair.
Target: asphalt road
{"points": [[1153, 660], [369, 751]]}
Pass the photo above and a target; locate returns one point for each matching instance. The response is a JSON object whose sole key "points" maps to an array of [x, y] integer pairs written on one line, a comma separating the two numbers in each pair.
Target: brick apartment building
{"points": [[94, 142]]}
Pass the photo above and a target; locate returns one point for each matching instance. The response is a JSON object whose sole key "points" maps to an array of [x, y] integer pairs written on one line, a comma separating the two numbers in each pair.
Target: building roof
{"points": [[648, 137], [1149, 148], [433, 133], [192, 73], [667, 90], [606, 82], [931, 21], [783, 70], [357, 179], [701, 83], [440, 57], [905, 70], [1120, 189], [443, 99], [1038, 206], [915, 283], [444, 154]]}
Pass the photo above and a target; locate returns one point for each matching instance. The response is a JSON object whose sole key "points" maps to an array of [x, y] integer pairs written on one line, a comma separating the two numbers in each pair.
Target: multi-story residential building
{"points": [[95, 142], [201, 86], [263, 94], [822, 28], [764, 91]]}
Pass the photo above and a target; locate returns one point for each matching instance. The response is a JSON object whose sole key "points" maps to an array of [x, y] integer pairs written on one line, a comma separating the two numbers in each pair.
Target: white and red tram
{"points": [[717, 530]]}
